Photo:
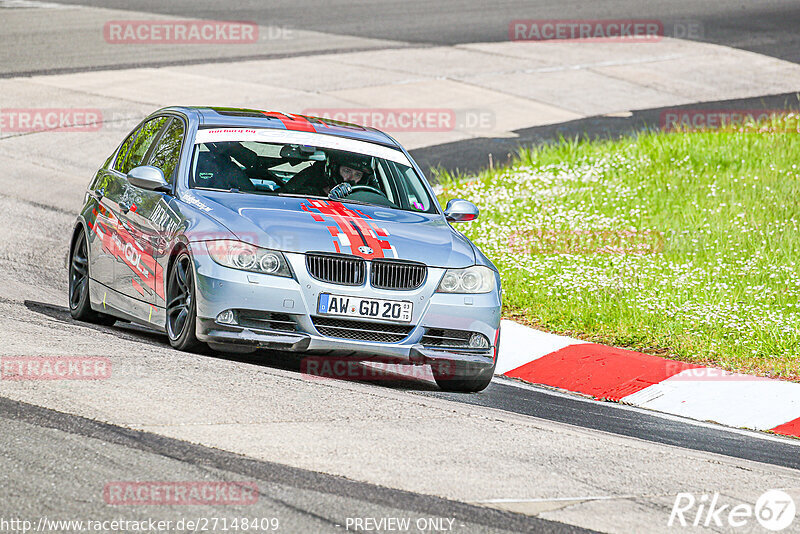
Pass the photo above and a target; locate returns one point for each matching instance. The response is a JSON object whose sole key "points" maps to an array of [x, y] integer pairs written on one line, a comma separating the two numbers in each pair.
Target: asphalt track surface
{"points": [[304, 501], [766, 27], [38, 443], [540, 402], [472, 155], [632, 422]]}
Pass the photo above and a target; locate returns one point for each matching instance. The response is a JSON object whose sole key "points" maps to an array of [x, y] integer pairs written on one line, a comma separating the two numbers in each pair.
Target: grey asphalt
{"points": [[59, 464], [472, 155], [69, 45], [504, 394], [608, 417], [54, 463], [766, 27]]}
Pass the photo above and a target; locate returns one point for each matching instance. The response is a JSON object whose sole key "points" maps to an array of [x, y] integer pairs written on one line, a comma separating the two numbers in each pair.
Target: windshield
{"points": [[272, 168]]}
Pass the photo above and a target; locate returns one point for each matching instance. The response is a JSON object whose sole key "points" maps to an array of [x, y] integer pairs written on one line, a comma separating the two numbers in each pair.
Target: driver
{"points": [[348, 170], [342, 172], [354, 169]]}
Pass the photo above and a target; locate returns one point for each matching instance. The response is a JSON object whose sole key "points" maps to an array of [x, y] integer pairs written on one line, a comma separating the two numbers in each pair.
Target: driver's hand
{"points": [[340, 191]]}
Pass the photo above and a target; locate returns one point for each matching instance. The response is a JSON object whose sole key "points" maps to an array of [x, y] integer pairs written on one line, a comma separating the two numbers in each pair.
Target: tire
{"points": [[464, 377], [181, 306], [459, 377], [79, 306]]}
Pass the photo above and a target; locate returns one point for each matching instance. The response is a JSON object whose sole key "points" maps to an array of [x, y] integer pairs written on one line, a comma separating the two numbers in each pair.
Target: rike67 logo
{"points": [[774, 511]]}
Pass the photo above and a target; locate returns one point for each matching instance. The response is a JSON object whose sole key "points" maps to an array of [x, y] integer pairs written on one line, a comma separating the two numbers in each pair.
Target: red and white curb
{"points": [[669, 386]]}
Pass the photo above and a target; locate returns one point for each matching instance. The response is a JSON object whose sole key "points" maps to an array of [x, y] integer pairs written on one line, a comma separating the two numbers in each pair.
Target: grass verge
{"points": [[683, 244]]}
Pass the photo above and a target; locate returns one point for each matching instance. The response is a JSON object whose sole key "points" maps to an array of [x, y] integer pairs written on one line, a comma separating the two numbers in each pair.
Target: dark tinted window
{"points": [[138, 151], [168, 151], [123, 150]]}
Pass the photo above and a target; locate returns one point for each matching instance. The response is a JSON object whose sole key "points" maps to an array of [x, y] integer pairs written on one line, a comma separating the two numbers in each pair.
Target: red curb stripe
{"points": [[597, 370], [792, 428]]}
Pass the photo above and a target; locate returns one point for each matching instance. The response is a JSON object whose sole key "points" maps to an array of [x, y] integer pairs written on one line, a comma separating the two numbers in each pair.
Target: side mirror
{"points": [[148, 177], [458, 210]]}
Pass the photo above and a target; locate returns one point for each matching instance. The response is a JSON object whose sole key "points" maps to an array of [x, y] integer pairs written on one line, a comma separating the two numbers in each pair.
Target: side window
{"points": [[383, 179], [419, 199], [138, 151], [123, 150], [168, 152]]}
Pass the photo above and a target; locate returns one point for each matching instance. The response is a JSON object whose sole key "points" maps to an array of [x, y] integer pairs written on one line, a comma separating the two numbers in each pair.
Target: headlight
{"points": [[475, 279], [247, 257]]}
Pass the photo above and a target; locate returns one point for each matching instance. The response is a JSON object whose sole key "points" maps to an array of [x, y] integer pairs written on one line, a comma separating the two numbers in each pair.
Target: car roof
{"points": [[216, 117]]}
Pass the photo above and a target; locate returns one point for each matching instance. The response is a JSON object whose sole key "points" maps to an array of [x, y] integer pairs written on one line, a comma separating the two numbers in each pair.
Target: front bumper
{"points": [[220, 288]]}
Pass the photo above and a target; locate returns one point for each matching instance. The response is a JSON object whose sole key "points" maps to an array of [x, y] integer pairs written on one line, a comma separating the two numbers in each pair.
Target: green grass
{"points": [[681, 244]]}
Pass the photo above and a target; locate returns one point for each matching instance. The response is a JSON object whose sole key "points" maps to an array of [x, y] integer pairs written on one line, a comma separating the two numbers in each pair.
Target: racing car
{"points": [[246, 229]]}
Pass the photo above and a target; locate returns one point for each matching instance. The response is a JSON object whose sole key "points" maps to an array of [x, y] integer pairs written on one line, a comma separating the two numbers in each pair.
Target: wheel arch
{"points": [[179, 246], [80, 225]]}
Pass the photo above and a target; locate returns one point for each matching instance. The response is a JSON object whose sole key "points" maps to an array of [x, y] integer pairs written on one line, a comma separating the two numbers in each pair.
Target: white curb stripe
{"points": [[703, 394], [749, 402], [520, 344]]}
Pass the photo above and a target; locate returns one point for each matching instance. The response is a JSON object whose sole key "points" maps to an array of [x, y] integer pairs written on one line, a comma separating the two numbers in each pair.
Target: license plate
{"points": [[343, 305]]}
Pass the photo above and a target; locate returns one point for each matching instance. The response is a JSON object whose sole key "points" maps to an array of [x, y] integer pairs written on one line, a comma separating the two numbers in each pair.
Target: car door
{"points": [[102, 222], [134, 271], [153, 221]]}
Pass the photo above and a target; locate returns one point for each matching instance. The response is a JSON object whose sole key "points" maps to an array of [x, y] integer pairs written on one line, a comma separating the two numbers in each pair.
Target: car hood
{"points": [[296, 224]]}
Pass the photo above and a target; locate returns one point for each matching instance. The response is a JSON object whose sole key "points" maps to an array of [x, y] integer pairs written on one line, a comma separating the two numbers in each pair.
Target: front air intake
{"points": [[361, 330]]}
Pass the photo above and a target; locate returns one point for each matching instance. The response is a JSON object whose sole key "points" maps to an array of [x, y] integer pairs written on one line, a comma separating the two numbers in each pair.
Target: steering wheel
{"points": [[367, 188]]}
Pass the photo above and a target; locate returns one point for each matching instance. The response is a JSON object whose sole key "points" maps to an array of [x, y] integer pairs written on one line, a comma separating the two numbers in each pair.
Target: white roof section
{"points": [[271, 135]]}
